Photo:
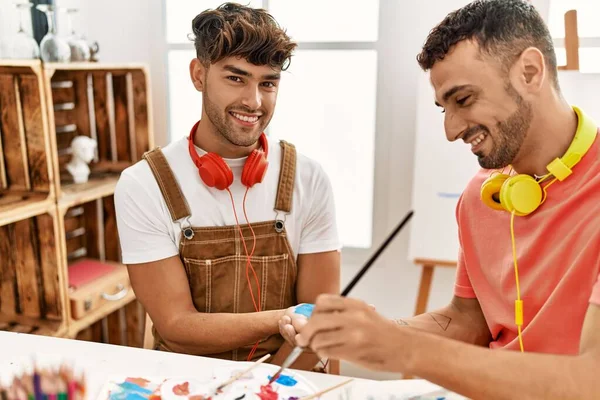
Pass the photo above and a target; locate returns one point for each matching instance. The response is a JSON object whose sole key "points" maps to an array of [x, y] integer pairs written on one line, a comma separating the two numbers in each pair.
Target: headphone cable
{"points": [[248, 263]]}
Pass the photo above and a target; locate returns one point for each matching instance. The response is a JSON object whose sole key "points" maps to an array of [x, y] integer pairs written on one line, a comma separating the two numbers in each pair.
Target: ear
{"points": [[529, 70], [197, 74]]}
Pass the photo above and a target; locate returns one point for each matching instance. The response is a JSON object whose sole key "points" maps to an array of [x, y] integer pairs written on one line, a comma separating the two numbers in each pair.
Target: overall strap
{"points": [[287, 175], [168, 184]]}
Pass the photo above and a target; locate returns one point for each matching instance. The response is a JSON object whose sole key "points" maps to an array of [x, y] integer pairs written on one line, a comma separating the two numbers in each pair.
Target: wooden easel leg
{"points": [[424, 287]]}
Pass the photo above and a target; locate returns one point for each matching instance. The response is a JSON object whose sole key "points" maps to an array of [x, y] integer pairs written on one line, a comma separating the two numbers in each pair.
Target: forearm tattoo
{"points": [[442, 320]]}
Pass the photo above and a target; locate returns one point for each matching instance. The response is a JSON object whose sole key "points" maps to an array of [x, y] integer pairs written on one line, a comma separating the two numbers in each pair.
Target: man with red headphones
{"points": [[524, 319], [227, 231]]}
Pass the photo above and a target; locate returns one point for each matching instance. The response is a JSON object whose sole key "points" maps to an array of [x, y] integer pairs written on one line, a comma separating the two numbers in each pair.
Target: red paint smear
{"points": [[199, 397], [138, 381], [267, 393], [182, 389]]}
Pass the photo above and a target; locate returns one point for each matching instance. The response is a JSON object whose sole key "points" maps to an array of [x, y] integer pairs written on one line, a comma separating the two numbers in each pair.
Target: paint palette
{"points": [[288, 386], [252, 386]]}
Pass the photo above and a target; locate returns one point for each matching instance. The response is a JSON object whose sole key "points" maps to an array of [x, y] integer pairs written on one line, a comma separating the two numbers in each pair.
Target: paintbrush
{"points": [[239, 375], [322, 392], [293, 356]]}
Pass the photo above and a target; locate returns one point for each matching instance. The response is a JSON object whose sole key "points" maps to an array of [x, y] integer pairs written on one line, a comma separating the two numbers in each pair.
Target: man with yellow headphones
{"points": [[529, 261]]}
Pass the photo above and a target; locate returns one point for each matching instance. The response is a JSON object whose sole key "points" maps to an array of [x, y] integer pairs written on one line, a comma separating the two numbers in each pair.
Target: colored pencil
{"points": [[61, 387]]}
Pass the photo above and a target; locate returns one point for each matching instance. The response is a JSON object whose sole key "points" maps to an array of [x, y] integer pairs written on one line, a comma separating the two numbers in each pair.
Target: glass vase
{"points": [[23, 45], [52, 47], [80, 50]]}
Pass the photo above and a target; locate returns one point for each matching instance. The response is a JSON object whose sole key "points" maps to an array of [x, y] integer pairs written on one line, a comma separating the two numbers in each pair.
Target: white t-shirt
{"points": [[147, 232]]}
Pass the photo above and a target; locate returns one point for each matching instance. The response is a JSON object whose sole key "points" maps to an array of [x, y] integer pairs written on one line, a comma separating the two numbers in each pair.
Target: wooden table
{"points": [[100, 361]]}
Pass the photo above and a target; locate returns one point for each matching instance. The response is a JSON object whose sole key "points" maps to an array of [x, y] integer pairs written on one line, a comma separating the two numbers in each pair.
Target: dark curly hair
{"points": [[502, 29], [234, 30]]}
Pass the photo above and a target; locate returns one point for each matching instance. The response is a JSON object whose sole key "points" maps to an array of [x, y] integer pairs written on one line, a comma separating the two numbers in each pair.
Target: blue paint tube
{"points": [[305, 309]]}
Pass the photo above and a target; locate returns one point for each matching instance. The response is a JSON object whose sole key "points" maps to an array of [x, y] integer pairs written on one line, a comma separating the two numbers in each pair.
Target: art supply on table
{"points": [[441, 394], [58, 383], [241, 374], [305, 309], [37, 386], [293, 356], [322, 392], [377, 253]]}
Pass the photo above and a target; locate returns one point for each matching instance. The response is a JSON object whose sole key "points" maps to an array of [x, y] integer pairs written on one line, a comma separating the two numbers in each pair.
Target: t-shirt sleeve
{"points": [[462, 283], [595, 296], [143, 228], [319, 233]]}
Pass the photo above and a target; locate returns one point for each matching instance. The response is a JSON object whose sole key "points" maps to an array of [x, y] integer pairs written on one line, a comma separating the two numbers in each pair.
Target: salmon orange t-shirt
{"points": [[558, 258]]}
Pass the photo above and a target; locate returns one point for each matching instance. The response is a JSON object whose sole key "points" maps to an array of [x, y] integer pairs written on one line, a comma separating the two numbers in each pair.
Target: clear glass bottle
{"points": [[80, 50], [23, 45], [52, 47]]}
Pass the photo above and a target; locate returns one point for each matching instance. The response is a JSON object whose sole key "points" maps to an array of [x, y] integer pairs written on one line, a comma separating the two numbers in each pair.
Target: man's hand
{"points": [[293, 321], [349, 329]]}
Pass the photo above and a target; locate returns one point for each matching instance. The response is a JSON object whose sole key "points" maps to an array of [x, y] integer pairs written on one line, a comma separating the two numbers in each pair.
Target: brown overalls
{"points": [[215, 260]]}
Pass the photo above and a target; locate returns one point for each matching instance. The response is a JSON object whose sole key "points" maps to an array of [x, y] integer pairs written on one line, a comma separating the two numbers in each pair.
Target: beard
{"points": [[227, 128], [510, 135]]}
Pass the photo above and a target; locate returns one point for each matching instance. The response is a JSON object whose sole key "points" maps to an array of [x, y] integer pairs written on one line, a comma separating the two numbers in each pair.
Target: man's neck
{"points": [[210, 140], [549, 137]]}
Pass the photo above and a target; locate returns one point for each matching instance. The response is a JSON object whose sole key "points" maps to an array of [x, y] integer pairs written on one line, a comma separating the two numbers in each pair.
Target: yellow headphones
{"points": [[522, 194]]}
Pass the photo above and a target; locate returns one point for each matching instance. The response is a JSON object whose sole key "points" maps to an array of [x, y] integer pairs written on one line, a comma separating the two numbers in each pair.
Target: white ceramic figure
{"points": [[83, 149]]}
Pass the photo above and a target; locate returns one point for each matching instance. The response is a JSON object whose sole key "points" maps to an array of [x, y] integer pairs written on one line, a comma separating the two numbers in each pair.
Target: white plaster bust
{"points": [[83, 150]]}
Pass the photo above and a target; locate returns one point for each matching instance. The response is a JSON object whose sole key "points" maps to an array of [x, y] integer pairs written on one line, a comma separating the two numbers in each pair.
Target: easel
{"points": [[571, 41], [428, 265]]}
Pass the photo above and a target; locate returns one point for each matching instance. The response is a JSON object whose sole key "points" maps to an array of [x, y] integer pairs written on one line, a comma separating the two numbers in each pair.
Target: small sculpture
{"points": [[83, 150]]}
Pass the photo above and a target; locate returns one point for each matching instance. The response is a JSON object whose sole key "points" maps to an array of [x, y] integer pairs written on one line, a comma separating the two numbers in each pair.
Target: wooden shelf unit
{"points": [[108, 103], [90, 231], [46, 220], [26, 169], [32, 277]]}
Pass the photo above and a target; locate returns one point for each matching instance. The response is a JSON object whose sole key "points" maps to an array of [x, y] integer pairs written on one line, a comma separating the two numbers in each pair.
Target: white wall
{"points": [[9, 24]]}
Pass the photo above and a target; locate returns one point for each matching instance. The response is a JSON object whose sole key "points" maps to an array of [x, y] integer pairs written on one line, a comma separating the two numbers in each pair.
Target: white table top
{"points": [[101, 361]]}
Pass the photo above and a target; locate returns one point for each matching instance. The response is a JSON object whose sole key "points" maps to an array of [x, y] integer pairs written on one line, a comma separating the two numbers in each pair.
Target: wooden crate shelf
{"points": [[21, 324], [15, 206], [26, 170], [124, 327], [108, 103], [32, 280], [77, 194], [90, 231], [47, 221], [77, 325]]}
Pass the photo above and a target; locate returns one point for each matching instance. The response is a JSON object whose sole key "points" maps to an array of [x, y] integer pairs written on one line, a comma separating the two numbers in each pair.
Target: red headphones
{"points": [[215, 172]]}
